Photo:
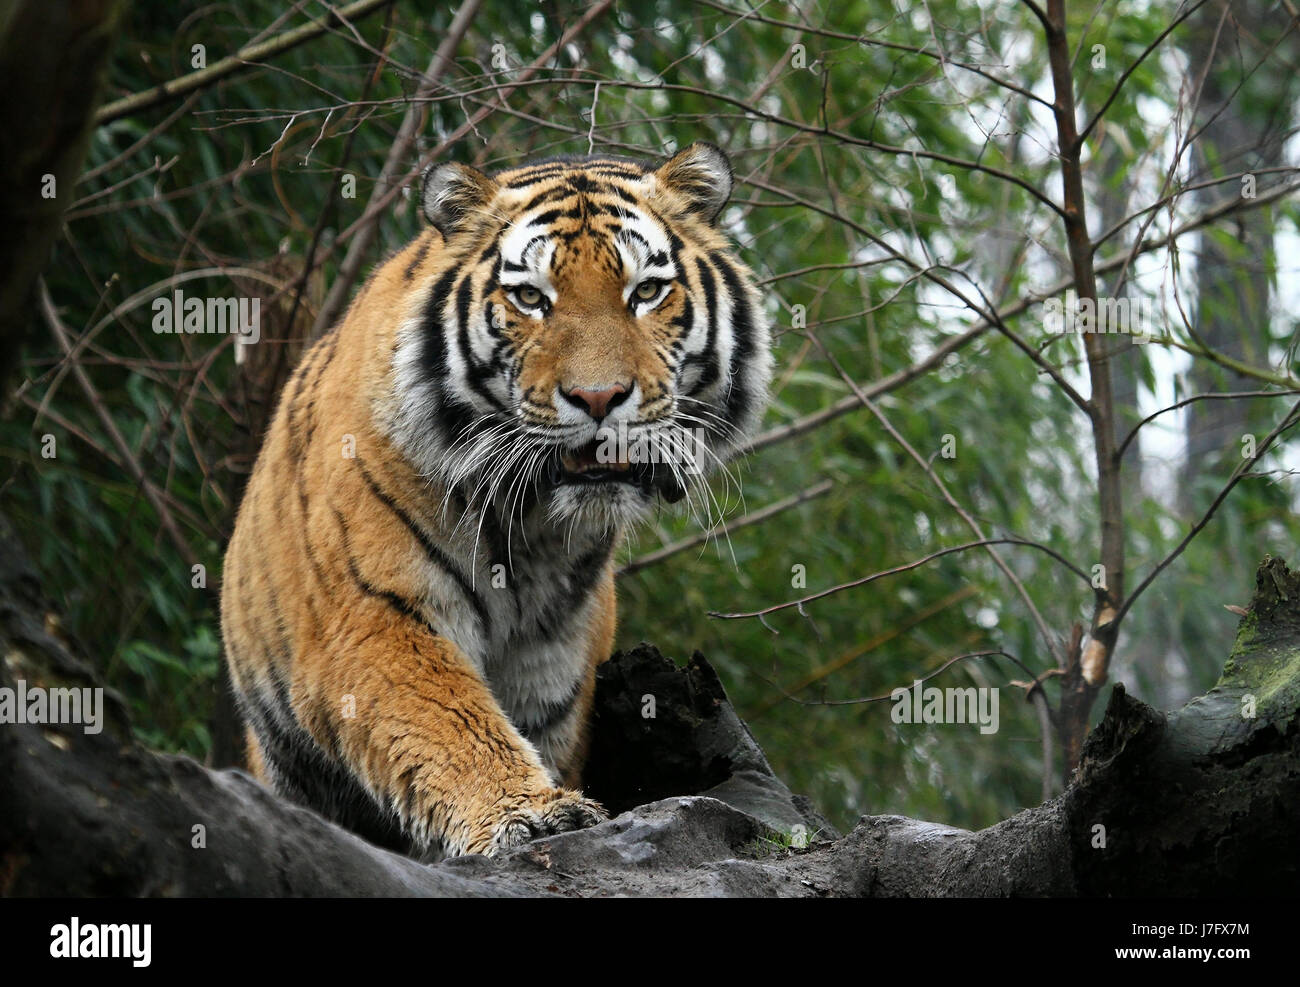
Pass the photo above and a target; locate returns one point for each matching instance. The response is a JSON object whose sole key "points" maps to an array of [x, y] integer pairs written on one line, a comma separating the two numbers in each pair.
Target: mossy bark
{"points": [[1205, 799]]}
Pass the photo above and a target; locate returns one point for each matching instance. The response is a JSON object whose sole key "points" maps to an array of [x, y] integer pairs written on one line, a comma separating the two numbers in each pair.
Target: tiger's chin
{"points": [[589, 489], [613, 497], [603, 506]]}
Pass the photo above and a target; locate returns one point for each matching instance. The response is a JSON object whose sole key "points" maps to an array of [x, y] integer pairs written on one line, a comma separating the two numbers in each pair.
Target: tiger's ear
{"points": [[450, 192], [700, 175]]}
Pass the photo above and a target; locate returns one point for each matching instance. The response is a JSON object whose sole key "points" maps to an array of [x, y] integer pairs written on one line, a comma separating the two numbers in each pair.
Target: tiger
{"points": [[419, 586]]}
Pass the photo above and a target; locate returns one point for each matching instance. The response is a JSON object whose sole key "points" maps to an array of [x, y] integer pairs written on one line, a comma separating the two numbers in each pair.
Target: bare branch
{"points": [[1124, 76], [60, 334], [1229, 396], [700, 538], [896, 629], [412, 123], [1038, 12], [925, 678], [1242, 470], [862, 39], [814, 420], [247, 57], [908, 567], [380, 202]]}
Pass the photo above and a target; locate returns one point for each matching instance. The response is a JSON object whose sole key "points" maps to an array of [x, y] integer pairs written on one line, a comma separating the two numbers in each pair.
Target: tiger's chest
{"points": [[532, 626]]}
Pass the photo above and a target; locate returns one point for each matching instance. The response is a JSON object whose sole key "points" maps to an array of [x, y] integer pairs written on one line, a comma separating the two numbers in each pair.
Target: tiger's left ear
{"points": [[701, 175], [450, 192]]}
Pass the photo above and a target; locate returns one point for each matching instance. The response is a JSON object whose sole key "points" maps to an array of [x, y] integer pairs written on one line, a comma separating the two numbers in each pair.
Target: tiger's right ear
{"points": [[450, 192]]}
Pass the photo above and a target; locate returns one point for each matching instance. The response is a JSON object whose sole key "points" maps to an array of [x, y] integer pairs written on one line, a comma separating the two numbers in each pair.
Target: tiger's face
{"points": [[592, 343]]}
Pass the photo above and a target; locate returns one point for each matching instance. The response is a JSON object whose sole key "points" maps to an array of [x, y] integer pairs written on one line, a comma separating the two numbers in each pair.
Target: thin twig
{"points": [[1227, 396], [1292, 417], [245, 58], [890, 695], [60, 334], [379, 203], [398, 152], [700, 538], [908, 567]]}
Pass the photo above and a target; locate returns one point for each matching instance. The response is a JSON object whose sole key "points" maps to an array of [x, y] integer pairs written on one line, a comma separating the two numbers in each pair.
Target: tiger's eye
{"points": [[647, 290], [530, 296]]}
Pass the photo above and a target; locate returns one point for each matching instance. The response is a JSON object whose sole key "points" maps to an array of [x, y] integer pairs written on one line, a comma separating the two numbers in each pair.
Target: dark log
{"points": [[1205, 800]]}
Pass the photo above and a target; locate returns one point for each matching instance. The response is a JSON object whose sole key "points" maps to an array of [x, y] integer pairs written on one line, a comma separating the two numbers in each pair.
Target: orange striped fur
{"points": [[420, 584]]}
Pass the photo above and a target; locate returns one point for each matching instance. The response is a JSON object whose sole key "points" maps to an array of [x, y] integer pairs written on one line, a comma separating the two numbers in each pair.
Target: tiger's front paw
{"points": [[558, 811]]}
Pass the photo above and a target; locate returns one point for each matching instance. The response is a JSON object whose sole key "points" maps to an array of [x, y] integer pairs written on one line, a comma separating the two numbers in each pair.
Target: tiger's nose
{"points": [[600, 403]]}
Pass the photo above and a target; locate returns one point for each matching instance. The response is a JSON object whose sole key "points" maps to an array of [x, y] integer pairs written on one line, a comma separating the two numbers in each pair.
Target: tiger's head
{"points": [[591, 340]]}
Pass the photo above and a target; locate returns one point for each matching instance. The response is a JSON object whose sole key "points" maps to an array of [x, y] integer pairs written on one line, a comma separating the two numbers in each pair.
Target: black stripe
{"points": [[458, 417], [536, 174], [742, 347], [395, 600], [675, 243], [496, 333], [551, 713], [583, 572], [450, 414], [608, 209], [709, 358], [475, 372], [541, 198], [631, 234], [433, 326], [434, 553], [534, 178], [540, 238], [421, 252], [303, 772], [581, 182], [624, 194], [473, 724]]}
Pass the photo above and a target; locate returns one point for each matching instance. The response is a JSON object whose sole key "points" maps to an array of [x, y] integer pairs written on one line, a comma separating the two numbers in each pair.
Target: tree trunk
{"points": [[52, 62], [1243, 122]]}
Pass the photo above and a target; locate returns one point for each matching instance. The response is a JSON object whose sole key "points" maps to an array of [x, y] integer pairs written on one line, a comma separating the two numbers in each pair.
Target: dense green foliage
{"points": [[255, 167]]}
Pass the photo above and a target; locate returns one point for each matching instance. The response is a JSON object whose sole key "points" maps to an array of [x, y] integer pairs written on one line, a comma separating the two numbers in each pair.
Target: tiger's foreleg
{"points": [[422, 733]]}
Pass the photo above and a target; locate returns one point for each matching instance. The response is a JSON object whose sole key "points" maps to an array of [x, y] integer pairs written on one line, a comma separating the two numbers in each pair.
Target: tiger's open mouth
{"points": [[583, 466]]}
